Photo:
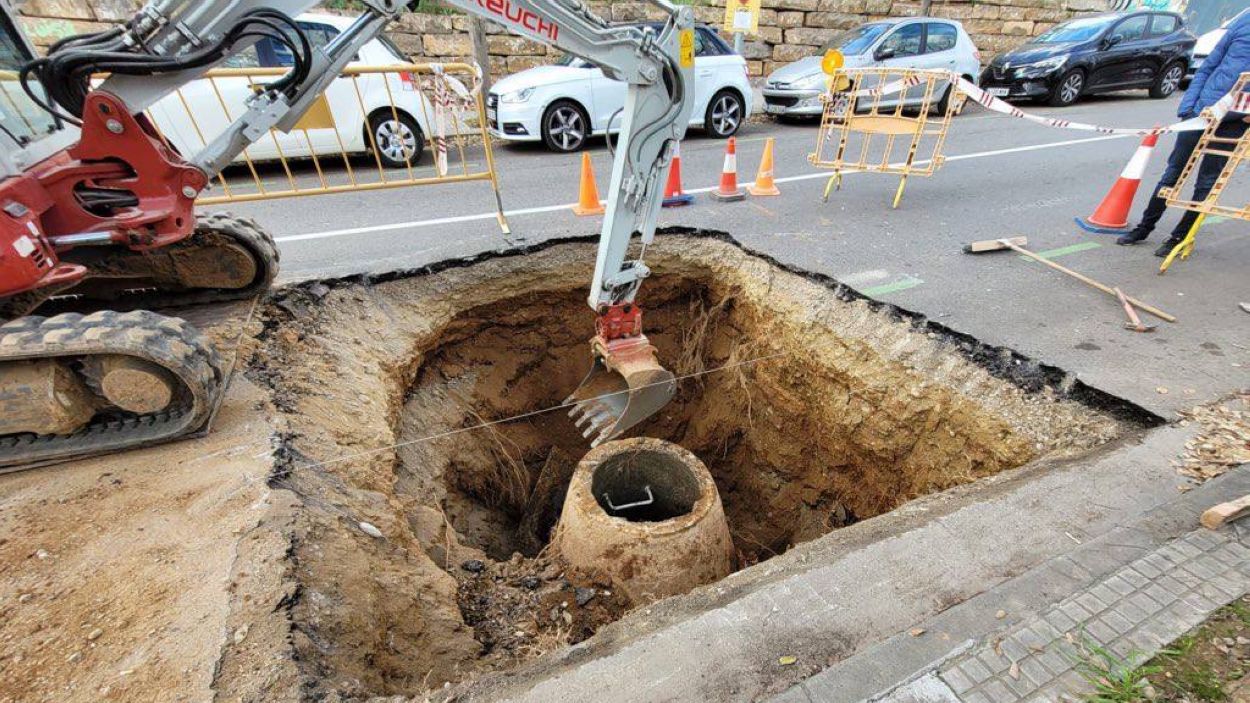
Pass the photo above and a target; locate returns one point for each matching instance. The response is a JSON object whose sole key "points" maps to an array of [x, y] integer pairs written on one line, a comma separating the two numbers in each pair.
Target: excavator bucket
{"points": [[625, 386]]}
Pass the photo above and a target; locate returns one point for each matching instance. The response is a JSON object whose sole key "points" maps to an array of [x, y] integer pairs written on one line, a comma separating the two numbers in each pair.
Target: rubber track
{"points": [[258, 242], [170, 342]]}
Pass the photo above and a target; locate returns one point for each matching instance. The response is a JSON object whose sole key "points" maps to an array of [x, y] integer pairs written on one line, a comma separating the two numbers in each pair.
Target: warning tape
{"points": [[449, 94], [1238, 103]]}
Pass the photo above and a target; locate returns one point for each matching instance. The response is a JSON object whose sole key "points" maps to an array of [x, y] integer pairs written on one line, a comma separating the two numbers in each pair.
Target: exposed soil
{"points": [[812, 409]]}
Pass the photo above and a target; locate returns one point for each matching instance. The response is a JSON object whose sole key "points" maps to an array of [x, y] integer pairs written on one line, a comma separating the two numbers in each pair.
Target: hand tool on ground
{"points": [[99, 205], [1134, 322], [1017, 245]]}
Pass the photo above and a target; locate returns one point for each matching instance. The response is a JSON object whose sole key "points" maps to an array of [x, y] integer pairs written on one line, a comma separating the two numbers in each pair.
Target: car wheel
{"points": [[397, 139], [945, 103], [724, 114], [1168, 81], [565, 126], [1067, 89]]}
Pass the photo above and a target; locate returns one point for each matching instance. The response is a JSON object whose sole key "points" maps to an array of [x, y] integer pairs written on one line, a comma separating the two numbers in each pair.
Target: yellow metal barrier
{"points": [[884, 120], [1235, 152], [413, 120]]}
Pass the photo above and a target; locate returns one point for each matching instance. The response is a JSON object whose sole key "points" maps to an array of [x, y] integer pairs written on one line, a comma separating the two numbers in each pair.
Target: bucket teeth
{"points": [[619, 393]]}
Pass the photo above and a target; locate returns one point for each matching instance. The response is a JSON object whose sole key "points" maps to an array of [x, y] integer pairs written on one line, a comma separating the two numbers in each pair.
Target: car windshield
{"points": [[856, 41], [1076, 30], [572, 61]]}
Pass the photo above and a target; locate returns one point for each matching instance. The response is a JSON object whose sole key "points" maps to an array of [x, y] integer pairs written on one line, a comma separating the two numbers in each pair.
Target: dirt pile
{"points": [[810, 408]]}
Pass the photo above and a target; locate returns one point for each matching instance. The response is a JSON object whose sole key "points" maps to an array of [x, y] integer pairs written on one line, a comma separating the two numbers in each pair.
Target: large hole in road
{"points": [[811, 408]]}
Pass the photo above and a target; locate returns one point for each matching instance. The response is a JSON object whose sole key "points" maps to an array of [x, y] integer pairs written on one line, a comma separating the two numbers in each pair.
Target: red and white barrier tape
{"points": [[1229, 103], [450, 97]]}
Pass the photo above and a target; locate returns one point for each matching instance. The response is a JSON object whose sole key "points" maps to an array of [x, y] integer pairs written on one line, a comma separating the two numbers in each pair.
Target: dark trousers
{"points": [[1208, 172]]}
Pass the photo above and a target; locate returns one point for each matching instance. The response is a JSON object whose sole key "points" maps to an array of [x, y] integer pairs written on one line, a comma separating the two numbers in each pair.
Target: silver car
{"points": [[916, 42]]}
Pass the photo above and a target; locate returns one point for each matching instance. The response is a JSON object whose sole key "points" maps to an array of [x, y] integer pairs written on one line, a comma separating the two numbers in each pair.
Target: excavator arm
{"points": [[169, 43]]}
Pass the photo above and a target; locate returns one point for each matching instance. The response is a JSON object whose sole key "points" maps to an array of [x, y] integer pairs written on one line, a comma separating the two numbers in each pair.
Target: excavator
{"points": [[99, 211]]}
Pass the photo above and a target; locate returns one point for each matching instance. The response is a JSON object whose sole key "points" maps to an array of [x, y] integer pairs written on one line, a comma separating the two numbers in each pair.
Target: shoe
{"points": [[1167, 247], [1137, 235]]}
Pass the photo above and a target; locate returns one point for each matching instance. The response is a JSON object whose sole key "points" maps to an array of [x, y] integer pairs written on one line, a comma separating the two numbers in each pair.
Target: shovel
{"points": [[625, 386]]}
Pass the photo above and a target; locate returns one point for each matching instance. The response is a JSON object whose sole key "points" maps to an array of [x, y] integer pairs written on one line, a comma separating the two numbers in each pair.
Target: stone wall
{"points": [[789, 29]]}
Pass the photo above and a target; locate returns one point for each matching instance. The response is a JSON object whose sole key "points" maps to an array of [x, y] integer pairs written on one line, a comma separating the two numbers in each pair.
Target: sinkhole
{"points": [[428, 404]]}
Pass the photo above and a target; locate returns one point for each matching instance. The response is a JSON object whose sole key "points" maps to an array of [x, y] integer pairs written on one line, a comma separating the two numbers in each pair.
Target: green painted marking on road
{"points": [[1064, 251], [1216, 219], [893, 287]]}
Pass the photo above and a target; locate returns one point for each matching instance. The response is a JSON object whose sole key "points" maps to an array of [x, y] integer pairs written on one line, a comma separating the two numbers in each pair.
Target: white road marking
{"points": [[566, 206]]}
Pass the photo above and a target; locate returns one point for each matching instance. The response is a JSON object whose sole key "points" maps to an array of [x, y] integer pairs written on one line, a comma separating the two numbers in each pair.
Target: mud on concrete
{"points": [[812, 407]]}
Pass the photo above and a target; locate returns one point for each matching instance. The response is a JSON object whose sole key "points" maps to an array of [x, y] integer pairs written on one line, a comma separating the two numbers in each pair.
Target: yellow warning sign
{"points": [[687, 48], [742, 16]]}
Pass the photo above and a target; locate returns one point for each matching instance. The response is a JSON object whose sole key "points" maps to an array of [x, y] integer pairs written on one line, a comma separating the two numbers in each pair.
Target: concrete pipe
{"points": [[646, 515]]}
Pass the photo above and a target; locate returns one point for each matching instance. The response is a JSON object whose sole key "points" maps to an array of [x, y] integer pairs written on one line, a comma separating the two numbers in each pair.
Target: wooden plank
{"points": [[1224, 513], [993, 245]]}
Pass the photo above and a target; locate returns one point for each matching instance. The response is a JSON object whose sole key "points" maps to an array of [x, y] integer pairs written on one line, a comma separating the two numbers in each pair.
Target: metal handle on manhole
{"points": [[636, 504]]}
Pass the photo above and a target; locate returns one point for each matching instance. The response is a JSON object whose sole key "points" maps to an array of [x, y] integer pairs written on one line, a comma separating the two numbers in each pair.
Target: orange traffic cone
{"points": [[1111, 217], [729, 190], [673, 194], [588, 195], [764, 183]]}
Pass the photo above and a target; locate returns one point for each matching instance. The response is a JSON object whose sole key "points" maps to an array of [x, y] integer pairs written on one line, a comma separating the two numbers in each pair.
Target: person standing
{"points": [[1218, 74]]}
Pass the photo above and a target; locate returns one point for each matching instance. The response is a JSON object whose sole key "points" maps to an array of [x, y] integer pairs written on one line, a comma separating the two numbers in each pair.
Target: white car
{"points": [[917, 42], [399, 134], [1206, 44], [564, 104]]}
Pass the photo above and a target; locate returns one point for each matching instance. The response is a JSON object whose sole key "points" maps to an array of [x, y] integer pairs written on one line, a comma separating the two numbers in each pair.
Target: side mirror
{"points": [[883, 54], [1112, 40]]}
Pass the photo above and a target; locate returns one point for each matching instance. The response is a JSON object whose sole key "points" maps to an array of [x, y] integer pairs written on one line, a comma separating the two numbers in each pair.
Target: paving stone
{"points": [[996, 663], [1104, 594], [976, 697], [1074, 611], [1159, 594], [1091, 603], [1054, 661], [1187, 549], [1047, 632], [957, 680], [1020, 685], [1116, 622], [1150, 571], [1155, 561], [1169, 583], [1060, 620], [1119, 585], [1130, 611], [1031, 639], [1100, 632], [998, 691], [1032, 668], [1014, 649], [975, 670], [1200, 568], [1135, 578]]}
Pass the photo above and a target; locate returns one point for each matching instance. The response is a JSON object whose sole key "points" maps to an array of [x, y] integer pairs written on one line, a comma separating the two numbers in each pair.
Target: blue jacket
{"points": [[1220, 71]]}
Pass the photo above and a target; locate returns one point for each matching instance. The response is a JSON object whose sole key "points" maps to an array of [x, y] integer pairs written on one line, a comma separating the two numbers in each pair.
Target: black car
{"points": [[1094, 55]]}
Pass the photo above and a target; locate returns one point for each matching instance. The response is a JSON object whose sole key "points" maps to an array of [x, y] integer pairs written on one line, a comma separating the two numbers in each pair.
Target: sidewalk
{"points": [[1134, 612]]}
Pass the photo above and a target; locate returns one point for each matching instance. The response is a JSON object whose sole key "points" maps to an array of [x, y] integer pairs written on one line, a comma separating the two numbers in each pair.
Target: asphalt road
{"points": [[1002, 177]]}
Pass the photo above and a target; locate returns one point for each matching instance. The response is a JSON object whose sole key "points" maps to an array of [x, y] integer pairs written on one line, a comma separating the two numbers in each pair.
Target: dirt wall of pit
{"points": [[860, 408]]}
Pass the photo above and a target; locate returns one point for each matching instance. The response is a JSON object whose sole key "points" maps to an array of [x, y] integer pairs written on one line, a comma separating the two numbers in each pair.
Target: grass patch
{"points": [[1209, 664], [1114, 678]]}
